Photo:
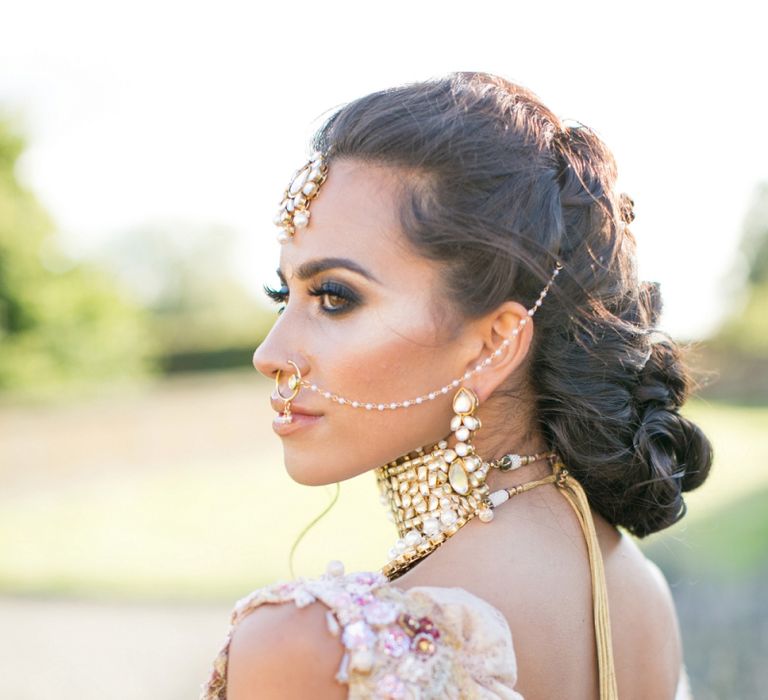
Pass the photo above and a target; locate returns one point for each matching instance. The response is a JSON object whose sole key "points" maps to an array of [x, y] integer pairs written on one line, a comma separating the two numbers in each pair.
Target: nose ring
{"points": [[294, 383]]}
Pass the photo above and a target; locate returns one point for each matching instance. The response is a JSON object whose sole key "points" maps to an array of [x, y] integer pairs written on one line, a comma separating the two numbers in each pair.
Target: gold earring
{"points": [[462, 459], [294, 383]]}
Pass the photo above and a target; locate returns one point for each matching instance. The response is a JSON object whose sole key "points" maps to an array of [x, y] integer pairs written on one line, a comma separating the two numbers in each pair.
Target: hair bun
{"points": [[670, 451], [662, 379]]}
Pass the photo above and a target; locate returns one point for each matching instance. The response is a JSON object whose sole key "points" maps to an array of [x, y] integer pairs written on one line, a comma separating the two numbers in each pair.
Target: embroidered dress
{"points": [[423, 643]]}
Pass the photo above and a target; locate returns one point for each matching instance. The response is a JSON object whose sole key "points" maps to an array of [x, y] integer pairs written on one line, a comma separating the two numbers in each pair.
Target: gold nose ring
{"points": [[294, 383]]}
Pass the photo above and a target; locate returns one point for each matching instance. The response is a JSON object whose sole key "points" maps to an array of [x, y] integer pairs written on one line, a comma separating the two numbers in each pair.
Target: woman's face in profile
{"points": [[371, 335]]}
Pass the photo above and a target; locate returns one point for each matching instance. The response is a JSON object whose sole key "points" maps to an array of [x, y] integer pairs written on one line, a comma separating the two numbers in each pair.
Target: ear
{"points": [[490, 333]]}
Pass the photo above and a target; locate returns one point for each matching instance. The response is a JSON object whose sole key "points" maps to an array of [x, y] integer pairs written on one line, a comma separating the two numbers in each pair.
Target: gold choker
{"points": [[432, 494]]}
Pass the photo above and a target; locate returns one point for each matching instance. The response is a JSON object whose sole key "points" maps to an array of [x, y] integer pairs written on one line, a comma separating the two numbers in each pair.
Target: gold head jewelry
{"points": [[302, 189]]}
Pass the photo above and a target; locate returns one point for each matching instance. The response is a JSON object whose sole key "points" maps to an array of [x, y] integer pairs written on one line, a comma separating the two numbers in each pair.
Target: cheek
{"points": [[379, 366]]}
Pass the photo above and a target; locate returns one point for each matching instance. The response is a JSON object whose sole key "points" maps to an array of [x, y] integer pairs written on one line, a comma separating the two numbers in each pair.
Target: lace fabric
{"points": [[426, 642]]}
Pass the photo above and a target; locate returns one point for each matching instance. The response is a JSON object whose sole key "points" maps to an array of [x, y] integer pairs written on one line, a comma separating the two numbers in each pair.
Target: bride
{"points": [[461, 314]]}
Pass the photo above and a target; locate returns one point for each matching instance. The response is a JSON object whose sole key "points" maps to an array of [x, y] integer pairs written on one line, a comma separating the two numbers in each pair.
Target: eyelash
{"points": [[279, 296]]}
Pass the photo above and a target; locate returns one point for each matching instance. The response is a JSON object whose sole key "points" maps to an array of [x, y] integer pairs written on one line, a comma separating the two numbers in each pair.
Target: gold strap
{"points": [[574, 492]]}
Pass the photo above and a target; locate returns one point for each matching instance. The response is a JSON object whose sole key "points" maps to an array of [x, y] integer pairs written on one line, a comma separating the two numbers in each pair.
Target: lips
{"points": [[279, 405]]}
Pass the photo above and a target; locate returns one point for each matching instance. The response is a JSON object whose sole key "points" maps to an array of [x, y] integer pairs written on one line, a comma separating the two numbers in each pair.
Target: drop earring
{"points": [[462, 459]]}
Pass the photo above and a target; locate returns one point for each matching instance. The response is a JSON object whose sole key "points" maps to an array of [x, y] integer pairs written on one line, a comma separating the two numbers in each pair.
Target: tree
{"points": [[60, 321]]}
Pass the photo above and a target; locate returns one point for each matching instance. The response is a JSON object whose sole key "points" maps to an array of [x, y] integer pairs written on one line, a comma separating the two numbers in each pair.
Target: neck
{"points": [[432, 494]]}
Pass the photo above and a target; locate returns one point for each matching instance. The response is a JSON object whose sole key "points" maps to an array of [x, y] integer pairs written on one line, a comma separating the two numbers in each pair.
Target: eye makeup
{"points": [[330, 289]]}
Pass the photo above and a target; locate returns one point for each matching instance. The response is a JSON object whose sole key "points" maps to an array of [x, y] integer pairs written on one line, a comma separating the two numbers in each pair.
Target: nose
{"points": [[282, 343], [268, 364]]}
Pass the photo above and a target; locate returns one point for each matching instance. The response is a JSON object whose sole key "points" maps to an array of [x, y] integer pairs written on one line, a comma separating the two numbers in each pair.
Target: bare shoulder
{"points": [[637, 578], [282, 651], [644, 621]]}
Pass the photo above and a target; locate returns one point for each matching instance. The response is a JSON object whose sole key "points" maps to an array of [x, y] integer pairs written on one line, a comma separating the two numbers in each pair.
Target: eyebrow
{"points": [[314, 267]]}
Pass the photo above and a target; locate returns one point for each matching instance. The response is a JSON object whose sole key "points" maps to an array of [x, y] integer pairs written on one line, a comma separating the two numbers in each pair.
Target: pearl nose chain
{"points": [[295, 382]]}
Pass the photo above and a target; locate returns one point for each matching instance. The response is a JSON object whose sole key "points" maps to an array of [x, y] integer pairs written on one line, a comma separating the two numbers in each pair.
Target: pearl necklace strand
{"points": [[432, 395]]}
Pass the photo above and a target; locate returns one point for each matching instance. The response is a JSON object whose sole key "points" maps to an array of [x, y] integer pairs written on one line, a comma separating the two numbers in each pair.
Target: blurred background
{"points": [[143, 150]]}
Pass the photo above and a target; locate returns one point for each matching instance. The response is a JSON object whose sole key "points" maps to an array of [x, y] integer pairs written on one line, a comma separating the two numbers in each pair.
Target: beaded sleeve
{"points": [[424, 643]]}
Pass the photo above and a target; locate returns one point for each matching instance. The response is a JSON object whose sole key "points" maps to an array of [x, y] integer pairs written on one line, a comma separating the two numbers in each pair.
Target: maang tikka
{"points": [[431, 493]]}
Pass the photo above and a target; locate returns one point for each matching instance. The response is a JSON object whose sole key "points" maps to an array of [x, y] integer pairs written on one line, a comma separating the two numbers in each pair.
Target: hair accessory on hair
{"points": [[626, 204], [302, 189]]}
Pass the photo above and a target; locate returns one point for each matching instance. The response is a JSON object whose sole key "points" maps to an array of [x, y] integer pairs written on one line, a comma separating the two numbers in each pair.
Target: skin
{"points": [[395, 345]]}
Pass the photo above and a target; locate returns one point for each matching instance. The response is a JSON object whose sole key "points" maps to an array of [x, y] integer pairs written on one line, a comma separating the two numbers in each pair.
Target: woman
{"points": [[465, 319]]}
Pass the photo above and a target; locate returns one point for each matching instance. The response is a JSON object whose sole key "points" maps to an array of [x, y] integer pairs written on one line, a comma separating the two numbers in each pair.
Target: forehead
{"points": [[355, 215]]}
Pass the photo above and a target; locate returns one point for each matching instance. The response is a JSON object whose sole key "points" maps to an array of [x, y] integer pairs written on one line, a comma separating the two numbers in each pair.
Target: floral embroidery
{"points": [[358, 634], [424, 643], [393, 641], [380, 612], [390, 687]]}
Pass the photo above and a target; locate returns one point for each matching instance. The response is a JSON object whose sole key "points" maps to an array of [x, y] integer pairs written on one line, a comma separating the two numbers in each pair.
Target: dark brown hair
{"points": [[502, 189]]}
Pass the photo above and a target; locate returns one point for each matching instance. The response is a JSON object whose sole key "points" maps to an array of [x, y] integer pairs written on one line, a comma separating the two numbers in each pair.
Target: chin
{"points": [[307, 471], [309, 465], [305, 477]]}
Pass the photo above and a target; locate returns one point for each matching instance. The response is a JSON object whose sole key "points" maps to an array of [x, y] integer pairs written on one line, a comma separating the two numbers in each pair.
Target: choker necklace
{"points": [[433, 493], [426, 507]]}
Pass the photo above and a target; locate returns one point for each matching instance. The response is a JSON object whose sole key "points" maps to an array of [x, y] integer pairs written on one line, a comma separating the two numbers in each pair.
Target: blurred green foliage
{"points": [[731, 542], [60, 322], [200, 316], [737, 353], [158, 298], [747, 330]]}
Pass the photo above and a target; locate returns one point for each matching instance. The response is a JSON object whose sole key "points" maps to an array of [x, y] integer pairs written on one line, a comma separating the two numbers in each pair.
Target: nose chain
{"points": [[295, 382]]}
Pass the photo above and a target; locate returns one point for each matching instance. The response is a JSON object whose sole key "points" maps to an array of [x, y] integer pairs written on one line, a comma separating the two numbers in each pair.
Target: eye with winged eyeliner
{"points": [[326, 289], [312, 268]]}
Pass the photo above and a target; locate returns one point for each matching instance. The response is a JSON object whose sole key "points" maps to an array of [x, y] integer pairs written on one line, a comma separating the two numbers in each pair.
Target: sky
{"points": [[191, 114]]}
